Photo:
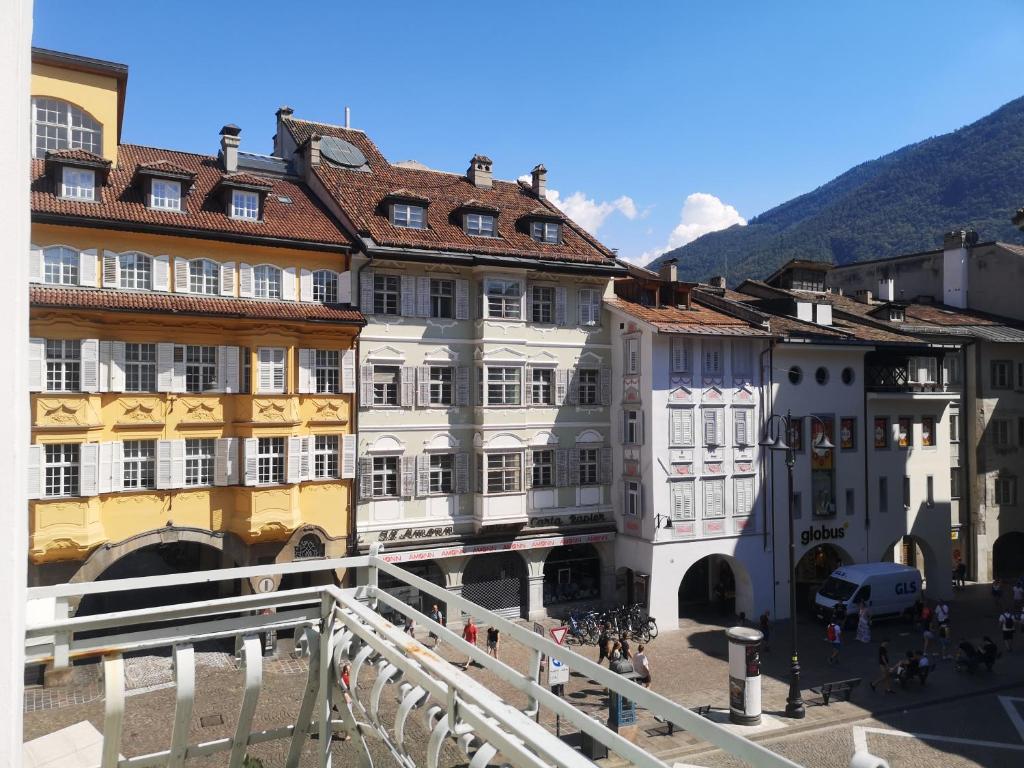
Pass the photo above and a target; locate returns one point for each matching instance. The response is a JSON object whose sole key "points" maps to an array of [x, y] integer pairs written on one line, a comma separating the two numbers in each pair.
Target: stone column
{"points": [[606, 551], [534, 559], [454, 568]]}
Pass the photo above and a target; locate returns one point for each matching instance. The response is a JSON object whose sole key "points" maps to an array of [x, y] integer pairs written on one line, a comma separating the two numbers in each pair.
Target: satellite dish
{"points": [[340, 152]]}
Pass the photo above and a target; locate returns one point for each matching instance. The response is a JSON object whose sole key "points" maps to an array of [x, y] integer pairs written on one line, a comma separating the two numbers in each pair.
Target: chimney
{"points": [[539, 180], [480, 171], [314, 150], [283, 112], [229, 142], [886, 289], [718, 281], [348, 117], [955, 247], [862, 296], [668, 271]]}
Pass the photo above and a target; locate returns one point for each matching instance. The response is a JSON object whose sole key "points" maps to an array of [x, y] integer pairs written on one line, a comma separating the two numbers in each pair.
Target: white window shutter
{"points": [[719, 487], [366, 291], [720, 427], [251, 446], [225, 461], [584, 306], [165, 367], [528, 467], [305, 371], [562, 467], [111, 269], [162, 273], [90, 365], [408, 296], [163, 464], [265, 373], [365, 464], [246, 281], [675, 426], [306, 460], [366, 386], [422, 475], [572, 394], [87, 267], [36, 365], [345, 287], [423, 386], [288, 280], [178, 367], [605, 467], [528, 386], [88, 469], [305, 285], [680, 355], [117, 467], [740, 422], [104, 375], [348, 457], [676, 495], [462, 299], [180, 275], [462, 386], [35, 264], [227, 278], [561, 386], [606, 386], [228, 358], [117, 366], [560, 301], [710, 430], [36, 473], [177, 463], [407, 395], [687, 426], [423, 296], [408, 465], [293, 460], [106, 467], [348, 371], [573, 455]]}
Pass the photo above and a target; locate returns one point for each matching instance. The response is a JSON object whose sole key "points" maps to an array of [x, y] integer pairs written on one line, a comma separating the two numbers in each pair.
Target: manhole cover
{"points": [[209, 720]]}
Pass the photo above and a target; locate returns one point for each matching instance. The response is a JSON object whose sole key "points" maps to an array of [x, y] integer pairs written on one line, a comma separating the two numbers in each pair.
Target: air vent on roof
{"points": [[340, 152], [284, 199]]}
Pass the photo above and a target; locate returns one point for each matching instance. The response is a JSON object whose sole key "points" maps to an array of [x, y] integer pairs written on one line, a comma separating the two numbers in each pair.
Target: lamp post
{"points": [[794, 702]]}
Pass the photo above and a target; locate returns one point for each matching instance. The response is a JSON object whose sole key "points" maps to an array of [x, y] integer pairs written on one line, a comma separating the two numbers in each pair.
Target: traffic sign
{"points": [[558, 634], [558, 673]]}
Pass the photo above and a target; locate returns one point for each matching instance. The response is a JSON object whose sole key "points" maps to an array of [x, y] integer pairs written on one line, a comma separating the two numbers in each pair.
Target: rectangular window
{"points": [[930, 491], [442, 473], [589, 384], [325, 457], [165, 195], [502, 472], [634, 498], [271, 460], [951, 365], [385, 384], [541, 385], [712, 421], [589, 306], [325, 286], [480, 224], [441, 377], [139, 464], [1006, 491], [504, 298], [589, 463], [1002, 374], [954, 427], [881, 432], [136, 271], [631, 427], [503, 386], [271, 369], [442, 298], [1000, 433], [62, 470], [385, 477], [905, 432], [928, 431], [883, 495], [741, 426], [906, 492], [743, 488], [714, 498], [546, 231], [200, 368], [681, 355], [712, 359], [543, 469], [407, 216], [542, 305], [140, 367], [267, 281], [632, 356], [60, 266], [327, 370], [387, 292], [923, 370], [954, 482], [199, 461], [78, 183], [245, 205], [63, 365]]}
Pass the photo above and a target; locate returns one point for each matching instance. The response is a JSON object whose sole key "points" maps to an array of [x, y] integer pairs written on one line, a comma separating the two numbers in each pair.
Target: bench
{"points": [[702, 710], [827, 690]]}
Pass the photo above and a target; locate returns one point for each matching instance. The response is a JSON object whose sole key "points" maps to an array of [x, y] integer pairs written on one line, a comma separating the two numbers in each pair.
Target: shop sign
{"points": [[559, 520], [404, 534], [823, 533], [506, 546]]}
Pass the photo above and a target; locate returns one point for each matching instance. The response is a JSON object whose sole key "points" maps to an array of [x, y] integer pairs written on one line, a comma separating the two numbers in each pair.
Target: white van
{"points": [[888, 589]]}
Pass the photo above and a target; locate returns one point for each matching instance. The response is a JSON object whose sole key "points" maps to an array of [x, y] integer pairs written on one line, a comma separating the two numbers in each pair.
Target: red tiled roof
{"points": [[305, 219], [699, 320], [359, 193], [246, 180], [170, 303], [76, 154]]}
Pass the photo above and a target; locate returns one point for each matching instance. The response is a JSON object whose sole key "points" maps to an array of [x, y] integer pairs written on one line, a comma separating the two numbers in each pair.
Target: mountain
{"points": [[900, 203]]}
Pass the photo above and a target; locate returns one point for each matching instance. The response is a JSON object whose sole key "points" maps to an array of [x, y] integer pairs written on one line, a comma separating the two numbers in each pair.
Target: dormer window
{"points": [[78, 183], [408, 216], [245, 205], [546, 231], [165, 195], [480, 224], [896, 315], [57, 125]]}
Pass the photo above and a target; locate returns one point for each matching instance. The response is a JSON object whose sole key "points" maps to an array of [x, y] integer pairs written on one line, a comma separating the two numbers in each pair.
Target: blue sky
{"points": [[657, 121]]}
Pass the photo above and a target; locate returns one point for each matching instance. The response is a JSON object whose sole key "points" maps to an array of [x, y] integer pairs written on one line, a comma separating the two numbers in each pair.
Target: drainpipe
{"points": [[867, 474], [766, 399], [353, 539]]}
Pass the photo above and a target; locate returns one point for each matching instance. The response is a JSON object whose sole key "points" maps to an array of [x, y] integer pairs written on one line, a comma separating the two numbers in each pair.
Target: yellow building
{"points": [[192, 353]]}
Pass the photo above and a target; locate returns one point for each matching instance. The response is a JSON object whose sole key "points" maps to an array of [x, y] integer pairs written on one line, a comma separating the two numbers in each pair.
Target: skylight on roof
{"points": [[284, 199]]}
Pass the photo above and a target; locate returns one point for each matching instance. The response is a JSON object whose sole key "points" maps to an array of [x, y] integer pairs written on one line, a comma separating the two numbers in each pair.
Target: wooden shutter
{"points": [[462, 299], [676, 498], [87, 267], [407, 386], [223, 461], [689, 502], [250, 451], [246, 281], [163, 464], [595, 306], [423, 296], [422, 474], [741, 426], [227, 278], [528, 466], [348, 457], [288, 284], [572, 395], [709, 499], [423, 386], [606, 386], [366, 386], [365, 477], [527, 397], [36, 365], [305, 285], [680, 355], [117, 467], [162, 273], [306, 378], [35, 264], [348, 371], [104, 375], [719, 489], [675, 426], [605, 466], [573, 456], [90, 365], [559, 306], [709, 417], [180, 275], [165, 367], [462, 385], [462, 473], [228, 357], [88, 468], [177, 463], [366, 292], [408, 296], [562, 467], [561, 386], [111, 270], [408, 470], [117, 366], [344, 287], [36, 473], [106, 468], [293, 460]]}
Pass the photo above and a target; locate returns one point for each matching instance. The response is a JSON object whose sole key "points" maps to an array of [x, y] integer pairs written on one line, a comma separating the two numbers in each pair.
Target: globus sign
{"points": [[823, 533]]}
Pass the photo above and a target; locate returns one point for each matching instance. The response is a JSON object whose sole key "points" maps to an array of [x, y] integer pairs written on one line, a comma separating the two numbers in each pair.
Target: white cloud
{"points": [[701, 213], [588, 212]]}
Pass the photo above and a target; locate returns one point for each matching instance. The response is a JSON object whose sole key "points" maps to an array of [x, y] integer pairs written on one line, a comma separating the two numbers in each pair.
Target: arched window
{"points": [[203, 276], [136, 270], [60, 266], [57, 124], [268, 282], [325, 286]]}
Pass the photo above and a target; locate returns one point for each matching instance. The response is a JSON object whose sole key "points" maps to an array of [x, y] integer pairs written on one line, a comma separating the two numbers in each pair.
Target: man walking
{"points": [[834, 634], [436, 615], [469, 635], [492, 641], [1007, 625], [603, 642], [766, 630], [942, 617], [883, 667]]}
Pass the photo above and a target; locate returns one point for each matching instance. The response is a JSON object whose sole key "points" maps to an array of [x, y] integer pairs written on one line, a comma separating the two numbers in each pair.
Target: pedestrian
{"points": [[1018, 596], [492, 641], [864, 624], [604, 641], [437, 616], [410, 627], [923, 666], [883, 666], [766, 631], [926, 615], [927, 635], [469, 635], [624, 648], [642, 666], [961, 574], [615, 653], [834, 634], [839, 613], [997, 592], [1007, 624]]}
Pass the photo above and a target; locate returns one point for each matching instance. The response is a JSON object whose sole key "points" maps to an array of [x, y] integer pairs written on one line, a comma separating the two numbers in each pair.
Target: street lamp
{"points": [[794, 703]]}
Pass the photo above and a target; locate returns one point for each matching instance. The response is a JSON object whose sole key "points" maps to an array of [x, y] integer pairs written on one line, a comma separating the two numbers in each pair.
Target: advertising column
{"points": [[744, 675]]}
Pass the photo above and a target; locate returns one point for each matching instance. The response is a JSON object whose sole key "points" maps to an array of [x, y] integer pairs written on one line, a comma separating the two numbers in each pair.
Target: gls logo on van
{"points": [[906, 588], [821, 534]]}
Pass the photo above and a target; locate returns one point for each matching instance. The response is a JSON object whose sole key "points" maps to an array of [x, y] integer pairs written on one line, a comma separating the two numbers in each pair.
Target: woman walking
{"points": [[883, 666], [864, 624]]}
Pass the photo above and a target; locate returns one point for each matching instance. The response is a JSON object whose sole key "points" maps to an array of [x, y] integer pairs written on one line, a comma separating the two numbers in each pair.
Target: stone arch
{"points": [[1008, 555], [814, 566], [907, 547], [706, 576]]}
